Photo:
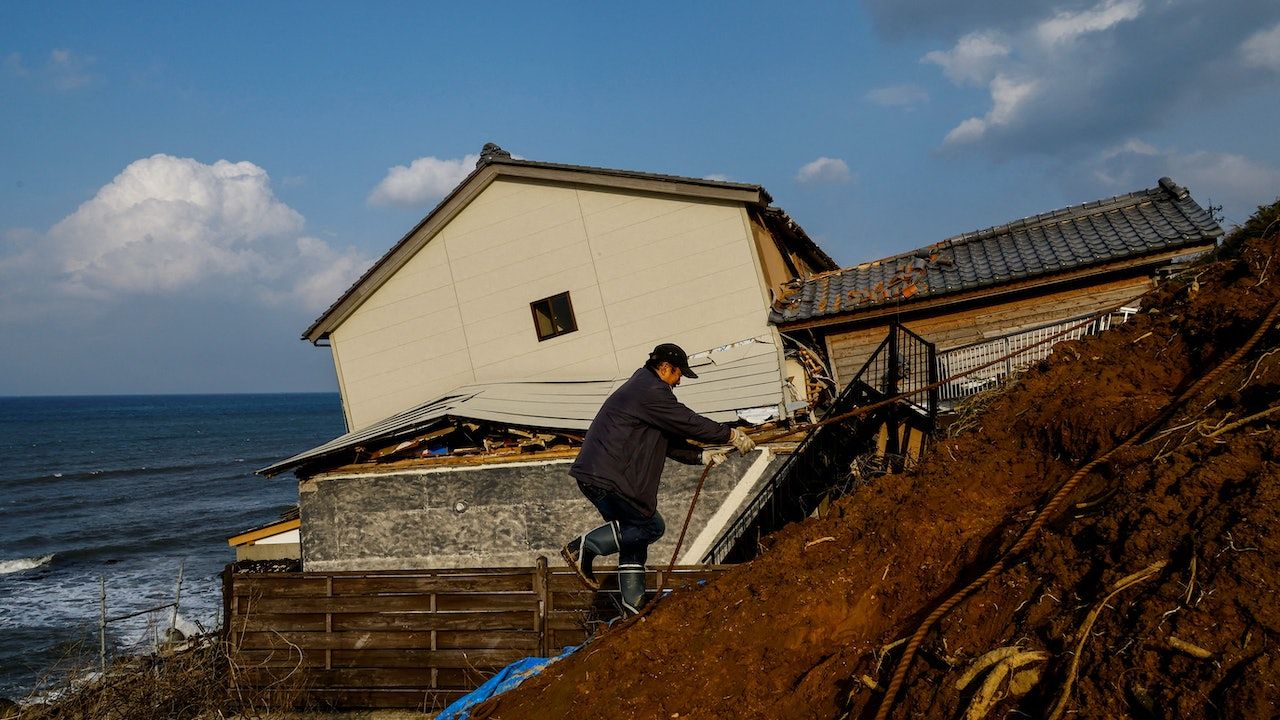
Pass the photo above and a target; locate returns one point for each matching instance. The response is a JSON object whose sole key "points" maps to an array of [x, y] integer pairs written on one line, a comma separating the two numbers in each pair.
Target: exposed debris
{"points": [[1151, 594]]}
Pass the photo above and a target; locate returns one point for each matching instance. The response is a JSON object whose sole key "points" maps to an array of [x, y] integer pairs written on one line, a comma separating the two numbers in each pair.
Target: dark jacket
{"points": [[639, 426]]}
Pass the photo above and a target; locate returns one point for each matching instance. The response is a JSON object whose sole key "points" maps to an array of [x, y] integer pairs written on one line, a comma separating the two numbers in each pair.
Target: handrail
{"points": [[955, 361]]}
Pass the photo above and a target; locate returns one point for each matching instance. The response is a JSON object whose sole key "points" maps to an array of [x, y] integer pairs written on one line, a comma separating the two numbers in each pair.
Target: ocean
{"points": [[127, 489]]}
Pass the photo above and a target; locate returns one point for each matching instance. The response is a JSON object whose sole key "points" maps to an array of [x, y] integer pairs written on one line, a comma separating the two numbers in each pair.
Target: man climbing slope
{"points": [[620, 464]]}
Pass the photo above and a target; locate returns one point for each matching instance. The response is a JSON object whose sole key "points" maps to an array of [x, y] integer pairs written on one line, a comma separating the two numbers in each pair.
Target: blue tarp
{"points": [[506, 678]]}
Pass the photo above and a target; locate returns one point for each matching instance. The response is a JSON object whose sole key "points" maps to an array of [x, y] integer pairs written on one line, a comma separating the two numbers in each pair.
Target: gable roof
{"points": [[1148, 222], [495, 162], [742, 376]]}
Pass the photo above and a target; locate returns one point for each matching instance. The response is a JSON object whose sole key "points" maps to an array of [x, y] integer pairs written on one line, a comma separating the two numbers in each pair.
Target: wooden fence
{"points": [[407, 639]]}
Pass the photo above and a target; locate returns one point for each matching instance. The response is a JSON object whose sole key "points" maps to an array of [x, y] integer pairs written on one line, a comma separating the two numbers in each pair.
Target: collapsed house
{"points": [[473, 355], [983, 294]]}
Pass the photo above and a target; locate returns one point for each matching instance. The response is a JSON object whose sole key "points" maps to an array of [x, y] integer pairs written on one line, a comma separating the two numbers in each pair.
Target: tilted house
{"points": [[472, 357], [978, 295], [540, 271]]}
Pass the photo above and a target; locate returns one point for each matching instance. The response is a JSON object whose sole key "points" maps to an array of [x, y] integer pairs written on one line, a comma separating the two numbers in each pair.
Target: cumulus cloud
{"points": [[1008, 96], [1262, 49], [1068, 76], [974, 59], [1066, 25], [167, 225], [424, 180], [898, 96], [824, 170]]}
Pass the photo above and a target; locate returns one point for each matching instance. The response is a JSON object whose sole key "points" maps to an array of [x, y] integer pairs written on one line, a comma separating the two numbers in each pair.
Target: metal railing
{"points": [[966, 357], [904, 361]]}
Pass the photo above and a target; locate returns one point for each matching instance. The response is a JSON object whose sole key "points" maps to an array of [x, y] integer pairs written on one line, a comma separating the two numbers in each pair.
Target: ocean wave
{"points": [[13, 566]]}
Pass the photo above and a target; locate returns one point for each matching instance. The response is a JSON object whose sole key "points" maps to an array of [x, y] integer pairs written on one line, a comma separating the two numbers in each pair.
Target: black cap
{"points": [[672, 353]]}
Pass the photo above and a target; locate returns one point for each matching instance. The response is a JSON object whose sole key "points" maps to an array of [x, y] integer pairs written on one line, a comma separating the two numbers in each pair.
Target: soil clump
{"points": [[1151, 594]]}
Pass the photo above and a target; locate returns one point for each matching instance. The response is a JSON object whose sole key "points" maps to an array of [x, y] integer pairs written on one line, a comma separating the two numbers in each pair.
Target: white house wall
{"points": [[640, 270]]}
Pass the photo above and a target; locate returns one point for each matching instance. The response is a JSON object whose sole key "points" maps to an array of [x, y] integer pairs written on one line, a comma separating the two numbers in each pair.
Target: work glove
{"points": [[740, 441], [715, 457]]}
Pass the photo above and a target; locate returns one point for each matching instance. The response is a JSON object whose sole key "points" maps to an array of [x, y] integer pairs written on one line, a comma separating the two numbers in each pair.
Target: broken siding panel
{"points": [[374, 407]]}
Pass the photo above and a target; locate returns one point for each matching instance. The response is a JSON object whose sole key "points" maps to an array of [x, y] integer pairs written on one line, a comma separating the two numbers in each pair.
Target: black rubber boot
{"points": [[631, 588], [582, 551]]}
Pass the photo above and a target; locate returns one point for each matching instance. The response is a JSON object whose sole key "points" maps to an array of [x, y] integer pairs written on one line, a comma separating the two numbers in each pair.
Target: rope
{"points": [[1047, 511], [684, 528]]}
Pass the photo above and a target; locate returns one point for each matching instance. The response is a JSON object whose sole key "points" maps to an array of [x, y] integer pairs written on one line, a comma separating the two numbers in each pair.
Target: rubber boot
{"points": [[582, 551], [631, 588]]}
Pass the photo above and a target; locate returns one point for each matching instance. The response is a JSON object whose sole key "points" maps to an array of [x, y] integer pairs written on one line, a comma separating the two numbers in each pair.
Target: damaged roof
{"points": [[1156, 220], [742, 376], [495, 162]]}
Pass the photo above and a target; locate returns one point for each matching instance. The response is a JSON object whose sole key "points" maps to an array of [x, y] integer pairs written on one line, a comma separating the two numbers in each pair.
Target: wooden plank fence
{"points": [[408, 639]]}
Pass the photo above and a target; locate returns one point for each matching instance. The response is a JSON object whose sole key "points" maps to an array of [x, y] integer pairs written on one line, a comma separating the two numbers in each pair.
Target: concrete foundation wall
{"points": [[491, 516]]}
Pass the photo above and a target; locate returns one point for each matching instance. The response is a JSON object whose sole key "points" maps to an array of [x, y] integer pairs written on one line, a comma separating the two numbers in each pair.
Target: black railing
{"points": [[822, 461]]}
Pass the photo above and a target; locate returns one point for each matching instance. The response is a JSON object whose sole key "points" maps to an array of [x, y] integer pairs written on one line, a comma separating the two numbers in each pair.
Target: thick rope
{"points": [[1049, 509]]}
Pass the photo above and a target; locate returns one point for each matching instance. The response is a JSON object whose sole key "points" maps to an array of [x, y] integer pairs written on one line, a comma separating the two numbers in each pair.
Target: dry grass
{"points": [[198, 683]]}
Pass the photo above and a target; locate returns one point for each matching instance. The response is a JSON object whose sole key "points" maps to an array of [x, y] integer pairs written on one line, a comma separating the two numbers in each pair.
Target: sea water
{"points": [[127, 489]]}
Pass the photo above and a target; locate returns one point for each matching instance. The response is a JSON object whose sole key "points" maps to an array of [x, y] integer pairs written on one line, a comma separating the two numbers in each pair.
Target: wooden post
{"points": [[541, 588], [228, 591], [102, 625], [177, 596], [328, 624]]}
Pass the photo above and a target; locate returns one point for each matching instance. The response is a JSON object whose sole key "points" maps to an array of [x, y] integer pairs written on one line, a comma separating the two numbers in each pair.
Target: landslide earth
{"points": [[802, 631]]}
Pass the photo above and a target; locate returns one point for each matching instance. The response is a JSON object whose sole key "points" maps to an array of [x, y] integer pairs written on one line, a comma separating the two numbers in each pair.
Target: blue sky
{"points": [[184, 188]]}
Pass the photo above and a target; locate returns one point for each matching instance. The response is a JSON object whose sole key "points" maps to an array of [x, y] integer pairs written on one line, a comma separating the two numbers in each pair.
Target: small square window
{"points": [[553, 316]]}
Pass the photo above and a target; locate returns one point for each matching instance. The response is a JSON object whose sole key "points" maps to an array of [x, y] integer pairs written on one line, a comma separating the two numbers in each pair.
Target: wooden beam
{"points": [[248, 538]]}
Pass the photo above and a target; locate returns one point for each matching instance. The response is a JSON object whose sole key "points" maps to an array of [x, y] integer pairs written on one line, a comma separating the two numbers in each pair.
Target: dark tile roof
{"points": [[1149, 221]]}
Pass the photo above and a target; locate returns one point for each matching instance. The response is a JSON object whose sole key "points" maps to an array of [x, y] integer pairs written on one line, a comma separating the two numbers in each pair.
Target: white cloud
{"points": [[166, 226], [1262, 49], [824, 170], [424, 180], [63, 70], [1066, 26], [717, 177], [973, 60], [1236, 182], [898, 96], [1007, 97], [330, 273], [1081, 75], [68, 70]]}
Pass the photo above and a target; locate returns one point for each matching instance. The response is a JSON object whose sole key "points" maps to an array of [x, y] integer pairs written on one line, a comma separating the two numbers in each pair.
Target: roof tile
{"points": [[1148, 221]]}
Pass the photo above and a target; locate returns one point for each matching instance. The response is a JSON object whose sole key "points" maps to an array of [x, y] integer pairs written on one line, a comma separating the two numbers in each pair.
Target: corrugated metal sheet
{"points": [[741, 376]]}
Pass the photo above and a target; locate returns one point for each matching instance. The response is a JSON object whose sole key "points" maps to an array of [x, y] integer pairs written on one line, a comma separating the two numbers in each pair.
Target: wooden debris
{"points": [[1064, 698], [1187, 648], [819, 541], [1003, 664]]}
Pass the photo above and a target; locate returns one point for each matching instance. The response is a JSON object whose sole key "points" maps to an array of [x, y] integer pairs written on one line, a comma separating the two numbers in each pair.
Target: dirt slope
{"points": [[798, 633]]}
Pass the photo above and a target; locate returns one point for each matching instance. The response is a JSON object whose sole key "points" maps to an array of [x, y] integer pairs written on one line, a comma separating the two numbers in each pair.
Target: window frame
{"points": [[570, 326]]}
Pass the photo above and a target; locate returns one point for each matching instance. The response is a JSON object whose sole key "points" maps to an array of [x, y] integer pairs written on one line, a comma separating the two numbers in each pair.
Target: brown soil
{"points": [[799, 632]]}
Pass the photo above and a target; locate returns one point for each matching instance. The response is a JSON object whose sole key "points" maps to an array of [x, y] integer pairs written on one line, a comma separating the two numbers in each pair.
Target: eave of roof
{"points": [[1127, 227], [494, 163], [737, 377]]}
